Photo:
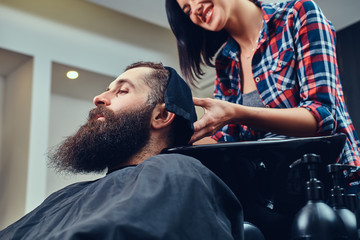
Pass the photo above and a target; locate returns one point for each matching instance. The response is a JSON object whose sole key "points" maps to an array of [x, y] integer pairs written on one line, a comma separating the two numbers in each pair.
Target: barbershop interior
{"points": [[288, 188]]}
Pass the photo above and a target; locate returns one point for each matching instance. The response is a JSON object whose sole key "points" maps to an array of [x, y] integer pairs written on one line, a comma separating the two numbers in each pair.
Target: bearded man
{"points": [[145, 194]]}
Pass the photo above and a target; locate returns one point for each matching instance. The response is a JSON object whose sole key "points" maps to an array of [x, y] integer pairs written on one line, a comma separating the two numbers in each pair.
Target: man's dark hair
{"points": [[157, 81]]}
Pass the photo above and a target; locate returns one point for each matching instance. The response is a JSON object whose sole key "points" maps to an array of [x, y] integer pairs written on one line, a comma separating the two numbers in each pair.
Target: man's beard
{"points": [[100, 144]]}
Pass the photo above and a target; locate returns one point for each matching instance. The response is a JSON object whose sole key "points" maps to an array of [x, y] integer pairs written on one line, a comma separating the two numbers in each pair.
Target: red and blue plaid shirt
{"points": [[294, 66]]}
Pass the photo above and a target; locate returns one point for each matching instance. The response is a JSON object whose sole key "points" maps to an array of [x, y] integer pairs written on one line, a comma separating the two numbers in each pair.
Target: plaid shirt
{"points": [[294, 66]]}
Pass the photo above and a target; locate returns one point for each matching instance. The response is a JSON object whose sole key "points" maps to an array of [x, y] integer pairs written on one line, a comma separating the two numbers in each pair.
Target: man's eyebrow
{"points": [[121, 81]]}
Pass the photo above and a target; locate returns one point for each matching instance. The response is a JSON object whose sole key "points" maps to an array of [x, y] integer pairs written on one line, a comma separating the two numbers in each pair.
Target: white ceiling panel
{"points": [[152, 11], [342, 13]]}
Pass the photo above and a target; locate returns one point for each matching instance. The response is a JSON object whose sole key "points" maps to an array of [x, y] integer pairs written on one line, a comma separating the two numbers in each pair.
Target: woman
{"points": [[276, 70]]}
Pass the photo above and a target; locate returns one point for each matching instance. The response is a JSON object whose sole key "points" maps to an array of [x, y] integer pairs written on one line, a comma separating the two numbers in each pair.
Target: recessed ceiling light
{"points": [[72, 74]]}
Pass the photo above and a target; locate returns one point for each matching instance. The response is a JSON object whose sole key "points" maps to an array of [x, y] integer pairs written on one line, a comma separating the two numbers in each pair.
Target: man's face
{"points": [[126, 92], [117, 129]]}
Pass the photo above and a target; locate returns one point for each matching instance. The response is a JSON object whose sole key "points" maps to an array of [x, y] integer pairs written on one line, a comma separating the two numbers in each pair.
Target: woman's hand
{"points": [[296, 122], [217, 114]]}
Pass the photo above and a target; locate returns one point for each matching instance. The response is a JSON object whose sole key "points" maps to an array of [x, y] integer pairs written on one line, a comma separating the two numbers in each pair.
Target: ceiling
{"points": [[9, 61], [75, 88], [341, 13], [153, 11]]}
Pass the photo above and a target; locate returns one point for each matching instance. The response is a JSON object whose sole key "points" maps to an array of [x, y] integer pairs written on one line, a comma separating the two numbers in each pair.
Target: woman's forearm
{"points": [[296, 122]]}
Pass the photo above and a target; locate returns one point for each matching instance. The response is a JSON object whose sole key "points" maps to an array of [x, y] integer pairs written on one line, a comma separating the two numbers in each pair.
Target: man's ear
{"points": [[161, 117]]}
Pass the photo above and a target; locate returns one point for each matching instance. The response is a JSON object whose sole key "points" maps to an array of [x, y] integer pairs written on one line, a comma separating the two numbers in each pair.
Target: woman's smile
{"points": [[207, 14]]}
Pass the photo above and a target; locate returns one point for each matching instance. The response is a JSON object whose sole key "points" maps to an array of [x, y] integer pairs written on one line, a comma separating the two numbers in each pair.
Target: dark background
{"points": [[348, 52]]}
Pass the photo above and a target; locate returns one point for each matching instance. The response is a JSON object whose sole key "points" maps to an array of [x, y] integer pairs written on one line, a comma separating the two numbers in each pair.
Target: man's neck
{"points": [[133, 160], [149, 150]]}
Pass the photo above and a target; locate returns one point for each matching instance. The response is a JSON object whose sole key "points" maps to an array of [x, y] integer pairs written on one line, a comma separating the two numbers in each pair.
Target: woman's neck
{"points": [[244, 24]]}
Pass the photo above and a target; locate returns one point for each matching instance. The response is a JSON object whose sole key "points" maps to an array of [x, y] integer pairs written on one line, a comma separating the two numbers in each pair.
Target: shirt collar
{"points": [[231, 49], [268, 9]]}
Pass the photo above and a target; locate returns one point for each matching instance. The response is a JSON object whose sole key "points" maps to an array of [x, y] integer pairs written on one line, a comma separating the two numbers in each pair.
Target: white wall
{"points": [[2, 92], [15, 142], [27, 33]]}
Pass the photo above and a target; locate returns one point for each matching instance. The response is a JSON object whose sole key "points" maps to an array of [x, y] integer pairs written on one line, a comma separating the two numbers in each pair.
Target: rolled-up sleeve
{"points": [[317, 70]]}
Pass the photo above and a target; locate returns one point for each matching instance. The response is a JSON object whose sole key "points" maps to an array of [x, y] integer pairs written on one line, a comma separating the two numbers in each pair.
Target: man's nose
{"points": [[102, 99], [197, 8]]}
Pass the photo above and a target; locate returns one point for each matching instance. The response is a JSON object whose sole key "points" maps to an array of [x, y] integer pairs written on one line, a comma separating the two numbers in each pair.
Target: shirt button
{"points": [[267, 106], [229, 91], [257, 79], [280, 63]]}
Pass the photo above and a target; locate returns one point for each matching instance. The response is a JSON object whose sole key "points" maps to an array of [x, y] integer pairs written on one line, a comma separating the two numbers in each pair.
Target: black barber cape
{"points": [[169, 196]]}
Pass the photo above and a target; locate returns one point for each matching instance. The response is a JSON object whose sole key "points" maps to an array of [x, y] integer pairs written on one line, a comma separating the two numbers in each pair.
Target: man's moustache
{"points": [[100, 112]]}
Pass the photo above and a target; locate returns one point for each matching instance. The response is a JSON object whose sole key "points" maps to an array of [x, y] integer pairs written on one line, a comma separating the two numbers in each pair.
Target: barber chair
{"points": [[258, 173]]}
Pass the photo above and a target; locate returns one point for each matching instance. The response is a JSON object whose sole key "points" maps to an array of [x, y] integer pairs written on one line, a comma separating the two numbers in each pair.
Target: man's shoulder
{"points": [[67, 191]]}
